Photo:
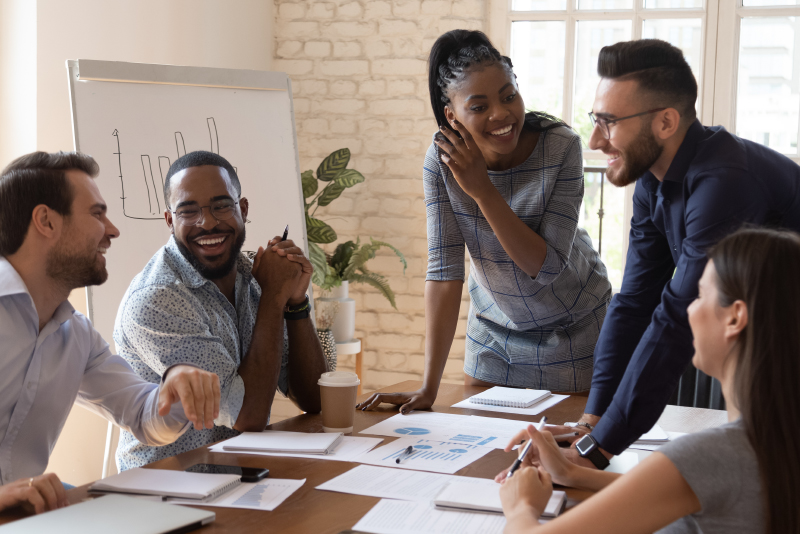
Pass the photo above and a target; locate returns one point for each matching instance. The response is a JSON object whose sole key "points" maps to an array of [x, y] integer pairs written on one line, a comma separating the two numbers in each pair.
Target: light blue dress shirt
{"points": [[170, 315], [43, 373]]}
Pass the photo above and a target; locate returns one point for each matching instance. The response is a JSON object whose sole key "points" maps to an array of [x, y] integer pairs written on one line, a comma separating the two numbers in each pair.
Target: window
{"points": [[745, 55]]}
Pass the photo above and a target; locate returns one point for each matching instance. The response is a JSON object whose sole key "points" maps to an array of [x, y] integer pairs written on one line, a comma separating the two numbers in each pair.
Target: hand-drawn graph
{"points": [[142, 195]]}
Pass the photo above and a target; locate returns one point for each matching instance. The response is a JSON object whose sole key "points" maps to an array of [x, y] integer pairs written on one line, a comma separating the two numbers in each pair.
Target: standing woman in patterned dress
{"points": [[508, 185]]}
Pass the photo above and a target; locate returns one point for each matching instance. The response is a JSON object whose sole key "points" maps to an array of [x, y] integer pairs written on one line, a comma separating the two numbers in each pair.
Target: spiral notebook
{"points": [[510, 397], [485, 497], [168, 483]]}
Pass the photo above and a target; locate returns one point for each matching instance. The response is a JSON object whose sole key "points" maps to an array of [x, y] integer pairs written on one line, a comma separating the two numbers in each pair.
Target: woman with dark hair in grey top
{"points": [[507, 186], [741, 477]]}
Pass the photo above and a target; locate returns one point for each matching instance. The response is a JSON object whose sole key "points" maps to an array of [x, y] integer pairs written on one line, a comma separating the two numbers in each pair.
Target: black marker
{"points": [[285, 234]]}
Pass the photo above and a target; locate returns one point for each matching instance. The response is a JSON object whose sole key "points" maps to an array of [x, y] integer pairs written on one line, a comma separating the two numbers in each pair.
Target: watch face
{"points": [[585, 445]]}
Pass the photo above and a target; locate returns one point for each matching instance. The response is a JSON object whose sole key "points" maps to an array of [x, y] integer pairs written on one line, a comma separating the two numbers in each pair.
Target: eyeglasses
{"points": [[221, 210], [605, 124]]}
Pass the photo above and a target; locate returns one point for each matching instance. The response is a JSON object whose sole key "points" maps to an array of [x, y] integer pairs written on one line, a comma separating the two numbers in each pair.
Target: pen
{"points": [[566, 436], [405, 454], [524, 450], [285, 233]]}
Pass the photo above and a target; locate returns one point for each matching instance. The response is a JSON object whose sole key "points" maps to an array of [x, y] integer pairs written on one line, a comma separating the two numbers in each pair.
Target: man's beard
{"points": [[213, 273], [637, 158], [75, 269]]}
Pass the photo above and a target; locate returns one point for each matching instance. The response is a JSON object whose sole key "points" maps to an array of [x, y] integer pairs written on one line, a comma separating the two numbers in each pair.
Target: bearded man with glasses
{"points": [[201, 301], [694, 185]]}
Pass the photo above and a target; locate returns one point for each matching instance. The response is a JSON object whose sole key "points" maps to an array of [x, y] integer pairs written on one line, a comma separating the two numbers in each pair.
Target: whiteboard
{"points": [[136, 119]]}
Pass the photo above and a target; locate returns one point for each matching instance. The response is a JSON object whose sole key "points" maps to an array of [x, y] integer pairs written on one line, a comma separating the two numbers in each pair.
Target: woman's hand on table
{"points": [[421, 399], [524, 497], [465, 160], [42, 493]]}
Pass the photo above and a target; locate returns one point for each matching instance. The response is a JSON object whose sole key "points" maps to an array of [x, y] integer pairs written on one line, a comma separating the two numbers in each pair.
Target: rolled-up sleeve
{"points": [[560, 219], [445, 242], [111, 389], [167, 330]]}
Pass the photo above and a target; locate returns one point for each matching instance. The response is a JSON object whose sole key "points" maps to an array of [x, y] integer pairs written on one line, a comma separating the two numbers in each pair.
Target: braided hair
{"points": [[453, 55]]}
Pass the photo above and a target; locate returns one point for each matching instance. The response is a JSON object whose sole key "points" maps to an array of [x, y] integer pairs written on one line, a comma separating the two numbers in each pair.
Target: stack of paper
{"points": [[347, 450], [168, 483], [485, 497], [510, 397], [278, 442]]}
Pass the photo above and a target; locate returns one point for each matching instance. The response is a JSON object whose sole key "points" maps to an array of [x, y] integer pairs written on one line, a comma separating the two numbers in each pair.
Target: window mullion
{"points": [[569, 69]]}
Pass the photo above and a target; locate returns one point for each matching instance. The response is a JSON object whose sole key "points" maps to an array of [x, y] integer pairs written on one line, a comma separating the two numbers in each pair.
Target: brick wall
{"points": [[358, 70]]}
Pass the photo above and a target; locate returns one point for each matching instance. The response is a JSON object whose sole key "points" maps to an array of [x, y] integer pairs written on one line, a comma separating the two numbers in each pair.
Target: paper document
{"points": [[536, 409], [623, 462], [468, 429], [654, 445], [655, 434], [168, 483], [348, 449], [388, 483], [407, 517], [265, 494], [278, 441], [437, 456]]}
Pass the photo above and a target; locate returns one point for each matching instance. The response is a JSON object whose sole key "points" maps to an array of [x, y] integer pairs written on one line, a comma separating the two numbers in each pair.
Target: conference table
{"points": [[311, 510]]}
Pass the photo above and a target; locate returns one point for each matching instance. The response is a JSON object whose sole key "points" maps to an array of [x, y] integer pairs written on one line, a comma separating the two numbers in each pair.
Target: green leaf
{"points": [[310, 184], [341, 256], [330, 193], [349, 178], [324, 276], [366, 253], [377, 281], [333, 164], [318, 231]]}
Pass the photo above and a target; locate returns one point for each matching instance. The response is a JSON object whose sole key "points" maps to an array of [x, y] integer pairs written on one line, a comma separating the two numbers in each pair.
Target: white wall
{"points": [[38, 36]]}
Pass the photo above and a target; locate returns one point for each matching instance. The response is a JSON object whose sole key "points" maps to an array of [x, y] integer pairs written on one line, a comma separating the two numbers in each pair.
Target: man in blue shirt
{"points": [[54, 235], [200, 300], [694, 185]]}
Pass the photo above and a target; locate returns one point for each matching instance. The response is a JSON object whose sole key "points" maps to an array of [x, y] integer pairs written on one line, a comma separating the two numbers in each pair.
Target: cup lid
{"points": [[338, 379]]}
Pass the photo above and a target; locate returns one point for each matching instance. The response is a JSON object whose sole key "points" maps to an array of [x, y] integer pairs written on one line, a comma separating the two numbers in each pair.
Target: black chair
{"points": [[697, 389]]}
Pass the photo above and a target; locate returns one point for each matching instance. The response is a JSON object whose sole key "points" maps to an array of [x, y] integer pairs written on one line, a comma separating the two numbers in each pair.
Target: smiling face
{"points": [[210, 245], [486, 102], [632, 148], [709, 321], [78, 258]]}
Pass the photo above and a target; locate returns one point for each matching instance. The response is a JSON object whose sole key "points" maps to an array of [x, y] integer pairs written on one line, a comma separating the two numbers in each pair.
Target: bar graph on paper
{"points": [[428, 455]]}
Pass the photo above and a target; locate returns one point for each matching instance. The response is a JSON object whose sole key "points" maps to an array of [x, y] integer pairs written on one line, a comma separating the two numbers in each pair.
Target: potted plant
{"points": [[334, 272]]}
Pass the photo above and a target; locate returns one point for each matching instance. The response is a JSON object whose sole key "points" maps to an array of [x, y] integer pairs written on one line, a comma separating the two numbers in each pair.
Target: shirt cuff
{"points": [[231, 403], [613, 435], [550, 269]]}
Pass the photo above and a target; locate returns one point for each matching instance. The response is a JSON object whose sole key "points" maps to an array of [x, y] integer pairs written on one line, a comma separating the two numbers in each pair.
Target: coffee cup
{"points": [[338, 390]]}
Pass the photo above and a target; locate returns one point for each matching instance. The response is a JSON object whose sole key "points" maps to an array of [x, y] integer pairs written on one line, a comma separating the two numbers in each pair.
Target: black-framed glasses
{"points": [[221, 210], [605, 124]]}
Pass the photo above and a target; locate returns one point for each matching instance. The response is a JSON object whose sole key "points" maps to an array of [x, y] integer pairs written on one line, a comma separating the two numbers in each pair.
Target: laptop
{"points": [[114, 513]]}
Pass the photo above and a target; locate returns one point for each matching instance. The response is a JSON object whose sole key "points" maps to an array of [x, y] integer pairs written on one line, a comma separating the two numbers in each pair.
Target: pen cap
{"points": [[338, 379]]}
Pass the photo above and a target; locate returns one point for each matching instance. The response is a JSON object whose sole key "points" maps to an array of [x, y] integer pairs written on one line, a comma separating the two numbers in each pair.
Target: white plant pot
{"points": [[344, 326]]}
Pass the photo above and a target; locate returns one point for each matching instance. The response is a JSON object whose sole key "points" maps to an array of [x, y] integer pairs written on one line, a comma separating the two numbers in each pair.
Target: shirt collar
{"points": [[187, 272], [11, 283], [686, 152]]}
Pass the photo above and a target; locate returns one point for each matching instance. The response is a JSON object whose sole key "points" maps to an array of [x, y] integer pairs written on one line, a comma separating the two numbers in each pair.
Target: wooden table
{"points": [[309, 510]]}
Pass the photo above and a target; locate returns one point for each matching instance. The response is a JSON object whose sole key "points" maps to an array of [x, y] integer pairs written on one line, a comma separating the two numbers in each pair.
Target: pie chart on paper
{"points": [[412, 431]]}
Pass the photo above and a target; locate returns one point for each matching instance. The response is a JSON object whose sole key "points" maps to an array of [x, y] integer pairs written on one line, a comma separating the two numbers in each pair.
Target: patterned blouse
{"points": [[171, 314], [523, 331]]}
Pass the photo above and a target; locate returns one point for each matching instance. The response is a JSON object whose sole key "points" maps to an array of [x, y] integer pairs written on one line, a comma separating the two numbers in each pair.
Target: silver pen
{"points": [[405, 454]]}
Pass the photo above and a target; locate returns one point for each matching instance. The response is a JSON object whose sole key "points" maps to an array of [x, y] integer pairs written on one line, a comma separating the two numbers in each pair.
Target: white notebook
{"points": [[486, 498], [277, 441], [168, 483], [510, 397]]}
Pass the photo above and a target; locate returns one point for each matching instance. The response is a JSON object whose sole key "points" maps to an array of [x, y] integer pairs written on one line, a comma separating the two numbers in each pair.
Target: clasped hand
{"points": [[283, 271], [465, 160]]}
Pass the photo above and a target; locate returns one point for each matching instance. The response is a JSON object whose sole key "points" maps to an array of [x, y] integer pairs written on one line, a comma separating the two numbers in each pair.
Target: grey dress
{"points": [[523, 331]]}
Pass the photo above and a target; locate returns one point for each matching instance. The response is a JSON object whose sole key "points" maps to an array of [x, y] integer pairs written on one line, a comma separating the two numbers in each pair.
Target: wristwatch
{"points": [[589, 449], [301, 311]]}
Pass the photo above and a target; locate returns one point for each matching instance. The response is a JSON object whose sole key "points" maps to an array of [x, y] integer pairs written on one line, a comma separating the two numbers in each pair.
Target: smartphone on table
{"points": [[248, 474]]}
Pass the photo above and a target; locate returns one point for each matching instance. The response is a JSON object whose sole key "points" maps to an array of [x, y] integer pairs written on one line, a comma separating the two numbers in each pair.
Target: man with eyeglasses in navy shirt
{"points": [[694, 185]]}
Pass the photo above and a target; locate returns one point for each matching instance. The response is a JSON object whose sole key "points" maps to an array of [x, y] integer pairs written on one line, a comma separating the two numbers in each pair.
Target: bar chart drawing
{"points": [[142, 196]]}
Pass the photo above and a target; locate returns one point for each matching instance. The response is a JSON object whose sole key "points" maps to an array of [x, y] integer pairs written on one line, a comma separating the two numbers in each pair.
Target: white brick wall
{"points": [[359, 79]]}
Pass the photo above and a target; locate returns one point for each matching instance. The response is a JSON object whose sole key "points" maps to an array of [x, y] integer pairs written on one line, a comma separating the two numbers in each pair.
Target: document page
{"points": [[437, 456], [536, 409], [388, 483], [465, 429], [265, 494], [348, 449], [406, 517]]}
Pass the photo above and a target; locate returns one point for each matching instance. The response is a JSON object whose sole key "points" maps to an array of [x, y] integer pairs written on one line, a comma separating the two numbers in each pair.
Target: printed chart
{"points": [[436, 456]]}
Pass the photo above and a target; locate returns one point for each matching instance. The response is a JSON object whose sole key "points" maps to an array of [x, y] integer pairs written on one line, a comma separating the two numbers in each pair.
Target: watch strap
{"points": [[300, 311], [595, 455]]}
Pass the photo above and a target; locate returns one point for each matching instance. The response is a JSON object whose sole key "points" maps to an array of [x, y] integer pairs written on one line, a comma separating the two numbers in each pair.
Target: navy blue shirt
{"points": [[716, 183]]}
